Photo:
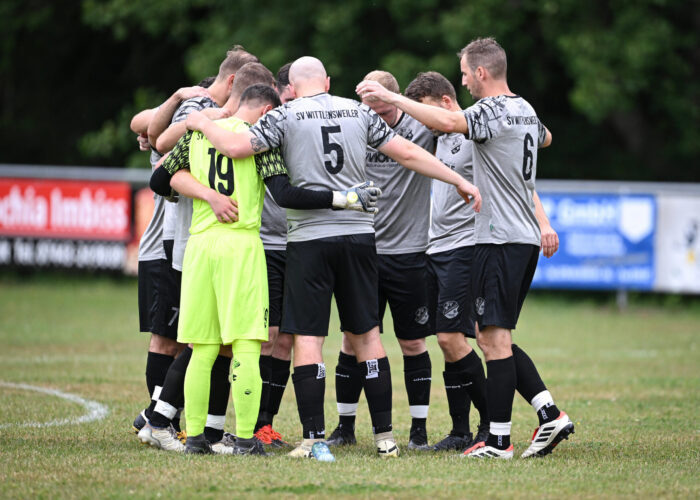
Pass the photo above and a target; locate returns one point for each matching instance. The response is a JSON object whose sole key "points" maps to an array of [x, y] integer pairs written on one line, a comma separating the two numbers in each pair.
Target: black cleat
{"points": [[251, 446], [418, 440], [341, 436], [453, 442], [139, 422], [198, 445], [481, 435]]}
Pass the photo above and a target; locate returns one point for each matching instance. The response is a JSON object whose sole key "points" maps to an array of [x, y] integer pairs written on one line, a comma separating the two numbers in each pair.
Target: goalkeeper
{"points": [[224, 278]]}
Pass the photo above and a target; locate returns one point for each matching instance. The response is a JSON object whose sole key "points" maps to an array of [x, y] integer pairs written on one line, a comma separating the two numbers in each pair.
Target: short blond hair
{"points": [[385, 78]]}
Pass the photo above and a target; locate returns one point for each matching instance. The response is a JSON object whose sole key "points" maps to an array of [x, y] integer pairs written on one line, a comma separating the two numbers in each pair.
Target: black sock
{"points": [[265, 374], [173, 388], [349, 379], [310, 387], [176, 420], [156, 369], [458, 399], [219, 390], [278, 383], [377, 385], [417, 374], [476, 385], [530, 384], [500, 390]]}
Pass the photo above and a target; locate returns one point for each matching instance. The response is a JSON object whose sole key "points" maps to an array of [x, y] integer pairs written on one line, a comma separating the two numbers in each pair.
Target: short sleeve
{"points": [[541, 133], [378, 132], [179, 157], [271, 128], [190, 105], [270, 163], [482, 120]]}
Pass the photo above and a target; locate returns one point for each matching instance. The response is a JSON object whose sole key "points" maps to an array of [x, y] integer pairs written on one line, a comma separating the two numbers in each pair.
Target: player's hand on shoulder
{"points": [[216, 113], [144, 145], [470, 193], [549, 242], [195, 120], [360, 197], [224, 207], [190, 92], [371, 91]]}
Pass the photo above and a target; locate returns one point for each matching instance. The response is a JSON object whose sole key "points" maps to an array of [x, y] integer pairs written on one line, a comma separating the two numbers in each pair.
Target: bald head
{"points": [[308, 74]]}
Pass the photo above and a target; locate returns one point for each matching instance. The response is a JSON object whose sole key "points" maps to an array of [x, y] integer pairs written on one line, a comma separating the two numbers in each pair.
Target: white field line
{"points": [[95, 410]]}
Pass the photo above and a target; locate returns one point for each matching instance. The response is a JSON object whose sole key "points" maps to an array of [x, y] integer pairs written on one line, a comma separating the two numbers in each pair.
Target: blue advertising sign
{"points": [[606, 241]]}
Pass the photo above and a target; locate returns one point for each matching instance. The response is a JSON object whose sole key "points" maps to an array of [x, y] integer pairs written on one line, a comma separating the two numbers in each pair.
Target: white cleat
{"points": [[480, 450], [163, 438], [386, 445], [548, 435], [226, 446], [303, 450]]}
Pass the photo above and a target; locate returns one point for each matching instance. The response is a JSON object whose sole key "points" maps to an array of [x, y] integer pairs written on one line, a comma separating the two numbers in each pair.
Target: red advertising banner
{"points": [[65, 209]]}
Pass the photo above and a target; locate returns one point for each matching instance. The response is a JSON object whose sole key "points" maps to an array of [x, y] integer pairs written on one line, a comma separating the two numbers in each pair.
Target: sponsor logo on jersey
{"points": [[450, 309], [422, 315]]}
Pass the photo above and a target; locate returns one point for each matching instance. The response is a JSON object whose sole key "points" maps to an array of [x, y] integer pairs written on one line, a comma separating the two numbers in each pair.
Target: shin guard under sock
{"points": [[417, 374], [349, 378], [377, 386], [310, 387]]}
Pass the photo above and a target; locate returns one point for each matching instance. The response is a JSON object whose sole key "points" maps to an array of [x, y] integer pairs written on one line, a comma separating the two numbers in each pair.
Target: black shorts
{"points": [[449, 287], [149, 286], [501, 280], [275, 283], [169, 296], [316, 269], [402, 281]]}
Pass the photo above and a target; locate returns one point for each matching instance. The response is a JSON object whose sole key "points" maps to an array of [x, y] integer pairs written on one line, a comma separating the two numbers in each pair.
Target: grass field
{"points": [[630, 382]]}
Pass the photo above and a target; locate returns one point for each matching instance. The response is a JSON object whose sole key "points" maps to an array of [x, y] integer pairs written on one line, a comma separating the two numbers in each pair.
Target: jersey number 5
{"points": [[215, 163], [329, 147], [527, 157]]}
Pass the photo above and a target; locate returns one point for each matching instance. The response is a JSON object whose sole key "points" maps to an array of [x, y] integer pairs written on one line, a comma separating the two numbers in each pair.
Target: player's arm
{"points": [[272, 169], [224, 207], [419, 160], [164, 115], [547, 138], [431, 116], [231, 144], [140, 121], [549, 242]]}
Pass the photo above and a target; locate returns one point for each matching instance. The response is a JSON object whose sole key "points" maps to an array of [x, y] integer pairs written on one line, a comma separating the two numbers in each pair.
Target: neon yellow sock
{"points": [[197, 382], [246, 385]]}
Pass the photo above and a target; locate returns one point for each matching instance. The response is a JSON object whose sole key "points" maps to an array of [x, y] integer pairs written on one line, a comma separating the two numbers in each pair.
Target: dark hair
{"points": [[258, 94], [486, 52], [235, 59], [250, 74], [206, 82], [430, 84], [283, 76]]}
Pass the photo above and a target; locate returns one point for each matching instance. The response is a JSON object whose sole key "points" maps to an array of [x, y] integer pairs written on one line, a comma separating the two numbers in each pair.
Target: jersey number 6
{"points": [[527, 157], [215, 161], [329, 147]]}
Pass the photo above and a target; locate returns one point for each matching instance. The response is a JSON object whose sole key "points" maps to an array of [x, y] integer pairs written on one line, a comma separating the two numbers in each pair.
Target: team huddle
{"points": [[274, 196]]}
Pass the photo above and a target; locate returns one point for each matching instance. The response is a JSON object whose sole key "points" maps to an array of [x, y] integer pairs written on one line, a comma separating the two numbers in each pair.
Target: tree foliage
{"points": [[616, 81]]}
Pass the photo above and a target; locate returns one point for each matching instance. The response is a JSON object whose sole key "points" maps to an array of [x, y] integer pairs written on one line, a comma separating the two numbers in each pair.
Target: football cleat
{"points": [[386, 445], [342, 436], [480, 450], [548, 435], [453, 442], [264, 435], [481, 435], [277, 439], [139, 422], [250, 446], [303, 450], [164, 438], [418, 440], [181, 436], [198, 445], [225, 446]]}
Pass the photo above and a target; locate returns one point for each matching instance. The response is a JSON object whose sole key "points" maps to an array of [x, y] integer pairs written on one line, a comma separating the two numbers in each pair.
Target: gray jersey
{"points": [[324, 139], [183, 207], [452, 219], [506, 134], [273, 228], [404, 207], [150, 245]]}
